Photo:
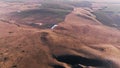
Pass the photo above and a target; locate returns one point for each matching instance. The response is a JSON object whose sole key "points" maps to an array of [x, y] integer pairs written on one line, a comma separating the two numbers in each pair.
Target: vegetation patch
{"points": [[47, 14]]}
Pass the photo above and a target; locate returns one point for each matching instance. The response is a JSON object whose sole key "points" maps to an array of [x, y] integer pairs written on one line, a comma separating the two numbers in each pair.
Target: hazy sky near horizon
{"points": [[105, 0], [68, 0]]}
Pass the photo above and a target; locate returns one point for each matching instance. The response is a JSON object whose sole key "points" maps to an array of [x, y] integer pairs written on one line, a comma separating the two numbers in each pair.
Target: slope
{"points": [[79, 42]]}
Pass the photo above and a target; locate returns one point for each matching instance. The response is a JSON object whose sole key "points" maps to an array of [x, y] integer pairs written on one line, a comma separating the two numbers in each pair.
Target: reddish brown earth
{"points": [[79, 42]]}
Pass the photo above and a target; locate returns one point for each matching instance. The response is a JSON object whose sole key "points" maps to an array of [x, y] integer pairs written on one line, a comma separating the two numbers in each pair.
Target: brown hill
{"points": [[79, 42]]}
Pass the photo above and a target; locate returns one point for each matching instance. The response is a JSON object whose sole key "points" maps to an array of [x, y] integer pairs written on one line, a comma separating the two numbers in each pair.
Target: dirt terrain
{"points": [[80, 41]]}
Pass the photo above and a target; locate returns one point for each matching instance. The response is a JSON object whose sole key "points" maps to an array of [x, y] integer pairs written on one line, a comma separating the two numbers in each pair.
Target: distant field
{"points": [[113, 7], [47, 14], [108, 14], [108, 7]]}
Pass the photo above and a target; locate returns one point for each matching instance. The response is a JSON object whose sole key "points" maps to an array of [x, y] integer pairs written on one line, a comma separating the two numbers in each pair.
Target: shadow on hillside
{"points": [[80, 62]]}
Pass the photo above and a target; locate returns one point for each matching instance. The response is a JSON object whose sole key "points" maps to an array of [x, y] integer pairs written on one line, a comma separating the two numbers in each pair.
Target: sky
{"points": [[115, 1], [105, 0]]}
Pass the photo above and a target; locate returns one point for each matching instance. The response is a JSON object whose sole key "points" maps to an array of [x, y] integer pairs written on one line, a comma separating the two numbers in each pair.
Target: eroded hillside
{"points": [[79, 41]]}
